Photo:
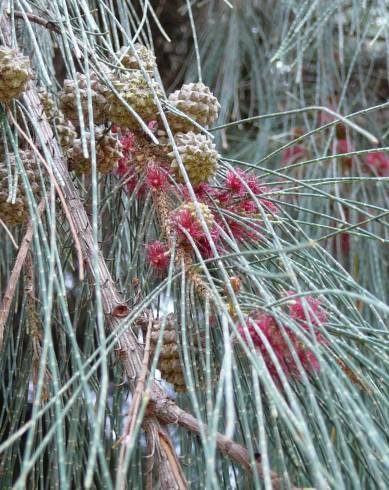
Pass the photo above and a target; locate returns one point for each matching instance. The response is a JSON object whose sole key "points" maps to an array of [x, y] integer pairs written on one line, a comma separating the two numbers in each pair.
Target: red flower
{"points": [[204, 192], [156, 178], [235, 182], [204, 245], [158, 255], [128, 141], [378, 161], [129, 176], [183, 219]]}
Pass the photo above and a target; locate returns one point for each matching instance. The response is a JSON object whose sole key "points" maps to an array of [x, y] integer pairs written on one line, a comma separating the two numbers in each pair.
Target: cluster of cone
{"points": [[15, 73], [129, 94], [169, 362]]}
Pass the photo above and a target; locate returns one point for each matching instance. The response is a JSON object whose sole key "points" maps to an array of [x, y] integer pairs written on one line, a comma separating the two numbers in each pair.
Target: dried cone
{"points": [[199, 156], [196, 101], [48, 104], [16, 213], [108, 153], [65, 131], [145, 152], [169, 362], [14, 73], [68, 99], [133, 88], [128, 60]]}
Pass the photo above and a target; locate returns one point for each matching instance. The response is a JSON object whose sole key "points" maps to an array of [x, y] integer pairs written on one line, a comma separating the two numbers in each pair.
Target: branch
{"points": [[47, 24], [13, 280]]}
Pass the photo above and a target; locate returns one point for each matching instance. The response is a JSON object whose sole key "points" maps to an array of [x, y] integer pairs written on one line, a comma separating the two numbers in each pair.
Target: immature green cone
{"points": [[108, 153], [196, 101], [128, 60], [15, 72], [68, 99], [198, 155], [16, 213], [133, 88], [169, 362]]}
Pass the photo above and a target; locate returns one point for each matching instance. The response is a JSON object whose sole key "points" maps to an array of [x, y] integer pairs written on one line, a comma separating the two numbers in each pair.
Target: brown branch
{"points": [[47, 24], [170, 413], [13, 280], [134, 408], [160, 448]]}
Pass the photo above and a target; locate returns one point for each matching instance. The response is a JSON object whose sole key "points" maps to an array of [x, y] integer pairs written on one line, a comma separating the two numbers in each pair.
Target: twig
{"points": [[171, 476], [170, 413], [9, 234], [134, 407], [11, 286], [48, 24]]}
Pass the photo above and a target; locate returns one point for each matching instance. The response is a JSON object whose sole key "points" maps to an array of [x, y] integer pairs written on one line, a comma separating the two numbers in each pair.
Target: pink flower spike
{"points": [[128, 141], [204, 245], [281, 340], [158, 255], [234, 182]]}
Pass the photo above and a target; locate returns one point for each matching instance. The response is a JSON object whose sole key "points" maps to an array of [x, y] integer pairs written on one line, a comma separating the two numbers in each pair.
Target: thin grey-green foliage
{"points": [[313, 432]]}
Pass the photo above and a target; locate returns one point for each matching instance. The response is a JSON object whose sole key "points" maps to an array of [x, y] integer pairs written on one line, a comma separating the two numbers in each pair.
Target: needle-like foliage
{"points": [[192, 302]]}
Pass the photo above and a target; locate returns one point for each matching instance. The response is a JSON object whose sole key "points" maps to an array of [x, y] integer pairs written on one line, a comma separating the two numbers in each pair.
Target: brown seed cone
{"points": [[196, 101], [134, 90], [48, 104], [68, 99], [65, 131], [15, 213], [145, 152], [199, 156], [108, 153], [128, 60], [15, 73], [169, 362]]}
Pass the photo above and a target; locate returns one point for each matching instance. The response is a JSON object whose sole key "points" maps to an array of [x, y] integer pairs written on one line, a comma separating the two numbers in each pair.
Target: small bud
{"points": [[235, 284]]}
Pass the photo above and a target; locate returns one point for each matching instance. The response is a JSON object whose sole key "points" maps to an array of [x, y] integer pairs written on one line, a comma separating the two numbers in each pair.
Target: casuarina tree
{"points": [[194, 225]]}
